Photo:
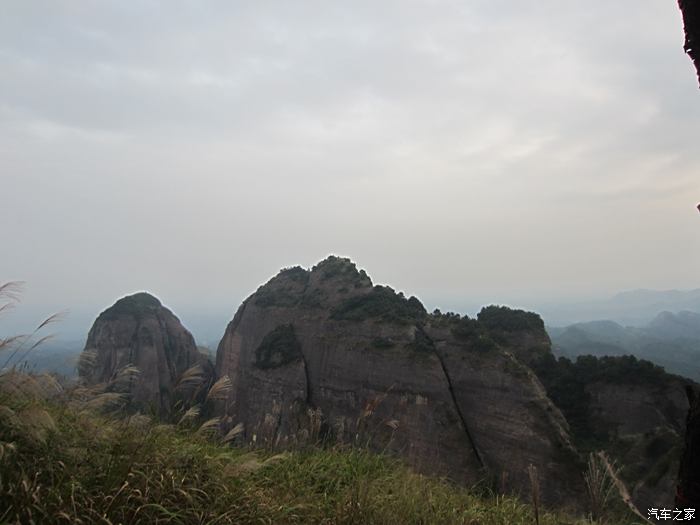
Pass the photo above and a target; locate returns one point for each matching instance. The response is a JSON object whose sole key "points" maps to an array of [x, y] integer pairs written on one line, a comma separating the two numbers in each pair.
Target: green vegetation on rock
{"points": [[472, 333], [278, 348], [381, 303], [295, 273], [421, 342], [334, 267], [566, 382], [507, 319], [267, 296], [135, 305]]}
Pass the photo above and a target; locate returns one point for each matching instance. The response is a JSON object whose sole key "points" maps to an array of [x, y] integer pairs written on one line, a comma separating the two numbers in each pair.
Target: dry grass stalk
{"points": [[535, 488], [87, 361], [7, 343], [612, 472], [315, 422], [234, 433], [210, 427], [30, 387], [190, 415], [7, 449], [125, 378], [106, 402], [37, 423], [48, 385], [53, 318], [193, 377], [599, 486], [221, 389], [11, 291]]}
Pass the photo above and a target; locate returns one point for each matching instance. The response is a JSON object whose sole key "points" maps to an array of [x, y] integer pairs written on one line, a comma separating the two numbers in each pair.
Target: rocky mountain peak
{"points": [[325, 349], [139, 334]]}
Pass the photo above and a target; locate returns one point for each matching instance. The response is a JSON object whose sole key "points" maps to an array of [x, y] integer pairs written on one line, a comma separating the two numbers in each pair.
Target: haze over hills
{"points": [[629, 308], [670, 340], [668, 332]]}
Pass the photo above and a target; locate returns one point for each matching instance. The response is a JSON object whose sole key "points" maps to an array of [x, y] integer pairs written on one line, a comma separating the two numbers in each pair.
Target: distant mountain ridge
{"points": [[629, 308], [671, 340]]}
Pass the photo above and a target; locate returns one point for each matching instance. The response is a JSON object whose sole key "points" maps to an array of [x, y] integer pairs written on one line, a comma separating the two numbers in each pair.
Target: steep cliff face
{"points": [[632, 409], [688, 493], [138, 331], [644, 424], [324, 351]]}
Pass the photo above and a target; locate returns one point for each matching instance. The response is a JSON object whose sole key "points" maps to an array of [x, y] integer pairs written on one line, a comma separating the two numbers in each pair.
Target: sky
{"points": [[465, 152]]}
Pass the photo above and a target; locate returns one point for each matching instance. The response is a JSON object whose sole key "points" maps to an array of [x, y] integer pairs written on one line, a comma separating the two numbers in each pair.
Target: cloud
{"points": [[451, 148]]}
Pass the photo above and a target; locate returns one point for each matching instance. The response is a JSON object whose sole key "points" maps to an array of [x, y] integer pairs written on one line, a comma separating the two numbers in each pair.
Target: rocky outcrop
{"points": [[691, 26], [628, 407], [688, 490], [644, 426], [141, 348], [324, 353]]}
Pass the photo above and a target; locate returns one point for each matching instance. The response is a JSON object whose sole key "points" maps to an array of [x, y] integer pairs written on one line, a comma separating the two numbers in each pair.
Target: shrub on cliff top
{"points": [[507, 319], [334, 266], [382, 304], [473, 333], [135, 305], [295, 273]]}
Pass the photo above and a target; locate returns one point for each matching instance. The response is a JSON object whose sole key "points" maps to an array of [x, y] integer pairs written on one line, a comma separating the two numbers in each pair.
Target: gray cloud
{"points": [[462, 151]]}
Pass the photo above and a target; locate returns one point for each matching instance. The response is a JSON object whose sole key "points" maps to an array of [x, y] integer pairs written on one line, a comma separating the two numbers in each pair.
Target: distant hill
{"points": [[671, 340], [54, 355], [631, 308]]}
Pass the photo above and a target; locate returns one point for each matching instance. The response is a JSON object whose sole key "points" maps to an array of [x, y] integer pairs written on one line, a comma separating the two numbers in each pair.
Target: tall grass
{"points": [[15, 349], [61, 463]]}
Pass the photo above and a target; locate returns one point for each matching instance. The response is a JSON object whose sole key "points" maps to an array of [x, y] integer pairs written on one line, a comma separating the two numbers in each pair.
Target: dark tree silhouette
{"points": [[691, 23]]}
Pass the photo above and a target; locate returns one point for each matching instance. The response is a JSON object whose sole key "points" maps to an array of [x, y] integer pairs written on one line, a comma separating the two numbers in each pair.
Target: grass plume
{"points": [[61, 463]]}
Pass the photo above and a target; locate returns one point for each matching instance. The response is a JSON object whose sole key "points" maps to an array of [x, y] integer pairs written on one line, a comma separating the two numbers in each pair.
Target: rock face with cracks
{"points": [[139, 332], [324, 354]]}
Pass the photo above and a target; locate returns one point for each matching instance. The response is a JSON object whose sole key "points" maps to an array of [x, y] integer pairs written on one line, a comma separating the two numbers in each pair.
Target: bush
{"points": [[472, 332], [295, 273], [333, 267], [382, 303], [509, 320], [136, 305]]}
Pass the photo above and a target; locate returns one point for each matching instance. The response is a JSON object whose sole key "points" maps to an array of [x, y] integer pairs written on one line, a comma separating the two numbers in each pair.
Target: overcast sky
{"points": [[462, 151]]}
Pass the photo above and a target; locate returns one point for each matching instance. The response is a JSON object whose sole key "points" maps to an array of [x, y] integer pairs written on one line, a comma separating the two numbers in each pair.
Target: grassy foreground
{"points": [[60, 463]]}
